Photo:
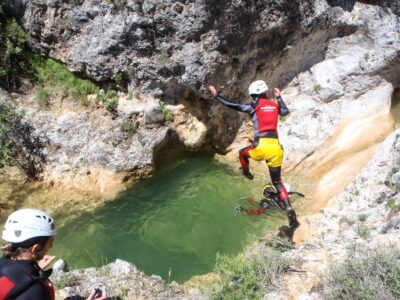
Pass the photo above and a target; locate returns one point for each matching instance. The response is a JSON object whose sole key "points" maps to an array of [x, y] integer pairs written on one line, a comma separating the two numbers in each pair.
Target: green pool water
{"points": [[395, 107], [172, 224]]}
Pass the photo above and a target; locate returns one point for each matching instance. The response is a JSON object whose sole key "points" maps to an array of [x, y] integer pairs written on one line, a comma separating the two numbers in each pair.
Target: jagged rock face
{"points": [[348, 5], [173, 49], [159, 44], [119, 279]]}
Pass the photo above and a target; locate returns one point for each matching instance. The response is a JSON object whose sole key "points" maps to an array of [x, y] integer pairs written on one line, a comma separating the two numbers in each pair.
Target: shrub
{"points": [[367, 274], [20, 146], [362, 218], [168, 115], [129, 128], [13, 43], [317, 88], [363, 231], [119, 78], [42, 96], [108, 99], [249, 278], [57, 78]]}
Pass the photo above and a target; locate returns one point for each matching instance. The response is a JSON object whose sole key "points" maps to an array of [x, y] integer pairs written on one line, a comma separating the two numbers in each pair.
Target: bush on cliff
{"points": [[53, 77], [13, 46], [250, 277], [367, 274], [20, 146]]}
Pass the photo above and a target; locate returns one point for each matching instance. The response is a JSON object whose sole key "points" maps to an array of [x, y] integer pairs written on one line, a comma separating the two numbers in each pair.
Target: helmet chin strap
{"points": [[254, 99]]}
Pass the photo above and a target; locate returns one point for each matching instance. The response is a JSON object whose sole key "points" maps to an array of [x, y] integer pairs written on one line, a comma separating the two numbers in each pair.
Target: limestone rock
{"points": [[119, 279]]}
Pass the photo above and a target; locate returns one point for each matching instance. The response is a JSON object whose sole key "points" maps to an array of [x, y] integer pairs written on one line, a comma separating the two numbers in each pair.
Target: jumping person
{"points": [[264, 113], [30, 235]]}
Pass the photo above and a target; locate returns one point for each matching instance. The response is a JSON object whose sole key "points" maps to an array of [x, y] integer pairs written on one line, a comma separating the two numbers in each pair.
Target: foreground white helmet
{"points": [[257, 87], [27, 223]]}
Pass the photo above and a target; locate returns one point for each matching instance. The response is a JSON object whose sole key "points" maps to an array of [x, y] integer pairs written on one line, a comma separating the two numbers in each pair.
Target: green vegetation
{"points": [[120, 4], [391, 203], [51, 76], [119, 78], [314, 114], [366, 274], [363, 231], [388, 180], [54, 78], [168, 115], [249, 278], [317, 88], [381, 198], [13, 45], [283, 118], [109, 99], [347, 220], [42, 96], [19, 145], [362, 218], [129, 128]]}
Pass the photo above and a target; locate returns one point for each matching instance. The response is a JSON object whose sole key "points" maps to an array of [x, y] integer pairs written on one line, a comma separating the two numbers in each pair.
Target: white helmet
{"points": [[27, 223], [257, 87]]}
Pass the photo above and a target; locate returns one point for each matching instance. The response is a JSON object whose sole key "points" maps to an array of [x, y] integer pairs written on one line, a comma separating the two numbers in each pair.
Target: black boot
{"points": [[246, 173], [293, 222]]}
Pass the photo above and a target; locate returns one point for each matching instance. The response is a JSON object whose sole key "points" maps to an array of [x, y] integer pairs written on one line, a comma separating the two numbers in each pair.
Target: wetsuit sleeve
{"points": [[36, 291], [240, 107], [283, 110]]}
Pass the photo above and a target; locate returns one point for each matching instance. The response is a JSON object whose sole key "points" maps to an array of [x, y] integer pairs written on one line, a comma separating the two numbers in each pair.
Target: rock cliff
{"points": [[337, 62]]}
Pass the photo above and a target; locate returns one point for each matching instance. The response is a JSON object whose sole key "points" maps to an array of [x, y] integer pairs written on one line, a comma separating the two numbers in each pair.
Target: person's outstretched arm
{"points": [[228, 103], [283, 110]]}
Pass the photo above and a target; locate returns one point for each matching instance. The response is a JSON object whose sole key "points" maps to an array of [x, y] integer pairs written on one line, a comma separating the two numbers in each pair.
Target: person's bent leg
{"points": [[275, 174], [284, 201], [244, 161]]}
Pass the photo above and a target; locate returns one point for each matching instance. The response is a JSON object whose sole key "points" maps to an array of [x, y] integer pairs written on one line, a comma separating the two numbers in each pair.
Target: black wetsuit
{"points": [[24, 280]]}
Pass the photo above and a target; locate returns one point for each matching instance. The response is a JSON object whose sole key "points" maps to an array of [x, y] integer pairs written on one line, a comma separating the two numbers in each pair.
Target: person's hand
{"points": [[277, 92], [212, 90], [45, 261], [95, 296]]}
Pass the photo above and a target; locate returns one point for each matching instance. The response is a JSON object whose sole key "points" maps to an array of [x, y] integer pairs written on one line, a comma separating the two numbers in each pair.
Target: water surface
{"points": [[172, 224], [395, 107]]}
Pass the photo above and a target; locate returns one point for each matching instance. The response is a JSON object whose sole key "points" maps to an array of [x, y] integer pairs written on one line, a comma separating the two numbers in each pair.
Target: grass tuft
{"points": [[250, 278]]}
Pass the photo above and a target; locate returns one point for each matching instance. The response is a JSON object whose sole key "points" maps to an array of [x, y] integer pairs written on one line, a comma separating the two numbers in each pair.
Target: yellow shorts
{"points": [[268, 149]]}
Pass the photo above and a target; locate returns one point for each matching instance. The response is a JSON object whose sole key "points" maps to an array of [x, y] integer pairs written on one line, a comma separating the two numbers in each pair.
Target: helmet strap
{"points": [[255, 99]]}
